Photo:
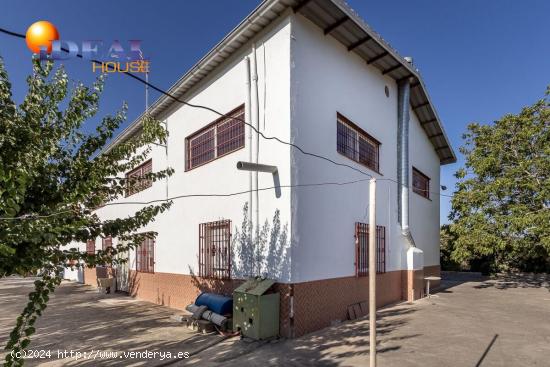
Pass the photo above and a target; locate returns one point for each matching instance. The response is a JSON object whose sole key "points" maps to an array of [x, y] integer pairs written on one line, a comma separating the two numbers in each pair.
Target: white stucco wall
{"points": [[308, 78], [177, 243], [424, 213], [326, 79]]}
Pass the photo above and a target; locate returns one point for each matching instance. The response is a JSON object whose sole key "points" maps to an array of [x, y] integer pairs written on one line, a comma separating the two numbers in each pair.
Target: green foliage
{"points": [[500, 210], [52, 178], [447, 242]]}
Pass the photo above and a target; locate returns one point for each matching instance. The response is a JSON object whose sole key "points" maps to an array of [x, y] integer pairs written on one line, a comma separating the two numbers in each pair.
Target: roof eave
{"points": [[263, 15]]}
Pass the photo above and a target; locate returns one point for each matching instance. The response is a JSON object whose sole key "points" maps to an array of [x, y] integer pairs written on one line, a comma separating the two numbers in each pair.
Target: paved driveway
{"points": [[495, 322]]}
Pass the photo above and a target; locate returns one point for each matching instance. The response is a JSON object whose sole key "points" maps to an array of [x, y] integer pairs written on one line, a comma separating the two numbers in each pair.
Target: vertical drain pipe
{"points": [[256, 124], [247, 113], [403, 91], [414, 255]]}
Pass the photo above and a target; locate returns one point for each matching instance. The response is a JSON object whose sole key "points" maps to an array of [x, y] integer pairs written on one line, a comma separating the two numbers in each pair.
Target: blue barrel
{"points": [[215, 302]]}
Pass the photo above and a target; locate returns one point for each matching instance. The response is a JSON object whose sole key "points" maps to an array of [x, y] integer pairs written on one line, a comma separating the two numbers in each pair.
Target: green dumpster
{"points": [[255, 311]]}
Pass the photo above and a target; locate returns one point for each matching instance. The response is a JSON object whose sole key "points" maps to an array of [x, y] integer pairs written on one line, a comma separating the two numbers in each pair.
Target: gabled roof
{"points": [[338, 20]]}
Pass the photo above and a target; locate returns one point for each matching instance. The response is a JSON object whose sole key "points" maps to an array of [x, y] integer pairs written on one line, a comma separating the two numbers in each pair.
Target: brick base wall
{"points": [[90, 277], [91, 274], [175, 290], [315, 304], [412, 284], [318, 303]]}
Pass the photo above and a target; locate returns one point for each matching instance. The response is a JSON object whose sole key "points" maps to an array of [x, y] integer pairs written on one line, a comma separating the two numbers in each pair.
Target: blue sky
{"points": [[479, 59]]}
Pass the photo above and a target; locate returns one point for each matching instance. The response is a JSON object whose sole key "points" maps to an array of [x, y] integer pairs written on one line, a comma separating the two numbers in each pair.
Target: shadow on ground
{"points": [[332, 346], [508, 281], [79, 318]]}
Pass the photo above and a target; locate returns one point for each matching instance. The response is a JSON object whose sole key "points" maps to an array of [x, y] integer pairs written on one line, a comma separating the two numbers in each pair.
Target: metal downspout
{"points": [[247, 114], [404, 89], [256, 123]]}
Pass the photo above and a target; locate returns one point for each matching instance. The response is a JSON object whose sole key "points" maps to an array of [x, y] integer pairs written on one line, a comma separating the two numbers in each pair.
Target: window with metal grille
{"points": [[145, 256], [106, 242], [135, 178], [219, 138], [215, 249], [362, 249], [421, 183], [90, 247], [356, 144]]}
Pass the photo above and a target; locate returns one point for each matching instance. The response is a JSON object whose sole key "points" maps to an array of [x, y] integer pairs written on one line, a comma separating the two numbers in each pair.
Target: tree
{"points": [[447, 241], [500, 210], [52, 178]]}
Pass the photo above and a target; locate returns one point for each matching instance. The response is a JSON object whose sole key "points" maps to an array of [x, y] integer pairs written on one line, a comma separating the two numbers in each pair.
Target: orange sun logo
{"points": [[41, 34]]}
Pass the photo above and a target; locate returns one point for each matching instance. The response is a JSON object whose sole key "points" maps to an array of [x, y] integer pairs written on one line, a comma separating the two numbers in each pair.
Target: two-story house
{"points": [[312, 73]]}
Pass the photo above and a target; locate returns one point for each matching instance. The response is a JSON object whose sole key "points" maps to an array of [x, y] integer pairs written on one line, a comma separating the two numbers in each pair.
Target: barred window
{"points": [[362, 249], [421, 183], [215, 249], [219, 138], [356, 144], [90, 247], [106, 242], [135, 178], [145, 256]]}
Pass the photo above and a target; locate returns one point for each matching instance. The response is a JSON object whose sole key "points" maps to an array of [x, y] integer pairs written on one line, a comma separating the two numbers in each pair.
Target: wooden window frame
{"points": [[424, 192], [362, 249], [215, 249], [145, 256], [90, 247], [214, 128], [361, 136], [141, 185]]}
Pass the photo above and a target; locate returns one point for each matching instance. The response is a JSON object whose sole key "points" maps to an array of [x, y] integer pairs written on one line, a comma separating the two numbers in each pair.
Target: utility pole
{"points": [[372, 272]]}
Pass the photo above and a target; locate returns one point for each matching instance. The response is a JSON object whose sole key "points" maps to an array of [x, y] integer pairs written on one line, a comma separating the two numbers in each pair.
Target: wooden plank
{"points": [[359, 43], [351, 313], [357, 310], [335, 25], [364, 307]]}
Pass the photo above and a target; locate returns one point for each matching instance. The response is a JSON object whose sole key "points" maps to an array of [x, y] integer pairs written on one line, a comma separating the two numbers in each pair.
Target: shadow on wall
{"points": [[261, 252], [133, 283], [266, 253]]}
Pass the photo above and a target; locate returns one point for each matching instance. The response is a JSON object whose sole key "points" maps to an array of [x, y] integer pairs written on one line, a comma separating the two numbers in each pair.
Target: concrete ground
{"points": [[470, 322]]}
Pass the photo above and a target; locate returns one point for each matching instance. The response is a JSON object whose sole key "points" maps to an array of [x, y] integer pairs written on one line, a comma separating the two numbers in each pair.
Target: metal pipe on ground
{"points": [[208, 315]]}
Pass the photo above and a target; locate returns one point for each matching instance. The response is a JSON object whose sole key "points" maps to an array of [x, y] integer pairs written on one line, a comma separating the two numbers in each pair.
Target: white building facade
{"points": [[328, 84]]}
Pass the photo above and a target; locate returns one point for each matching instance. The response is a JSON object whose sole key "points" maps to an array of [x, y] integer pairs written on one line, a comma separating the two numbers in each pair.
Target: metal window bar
{"points": [[90, 247], [106, 242], [357, 145], [222, 137], [215, 249], [145, 256], [421, 183], [362, 246], [138, 183]]}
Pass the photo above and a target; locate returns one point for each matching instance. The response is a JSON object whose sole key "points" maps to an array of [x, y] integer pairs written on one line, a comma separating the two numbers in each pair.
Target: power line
{"points": [[211, 110], [30, 216], [301, 150]]}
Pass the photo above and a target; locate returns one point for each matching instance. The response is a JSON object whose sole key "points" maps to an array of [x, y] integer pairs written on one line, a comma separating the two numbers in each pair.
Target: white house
{"points": [[314, 74]]}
